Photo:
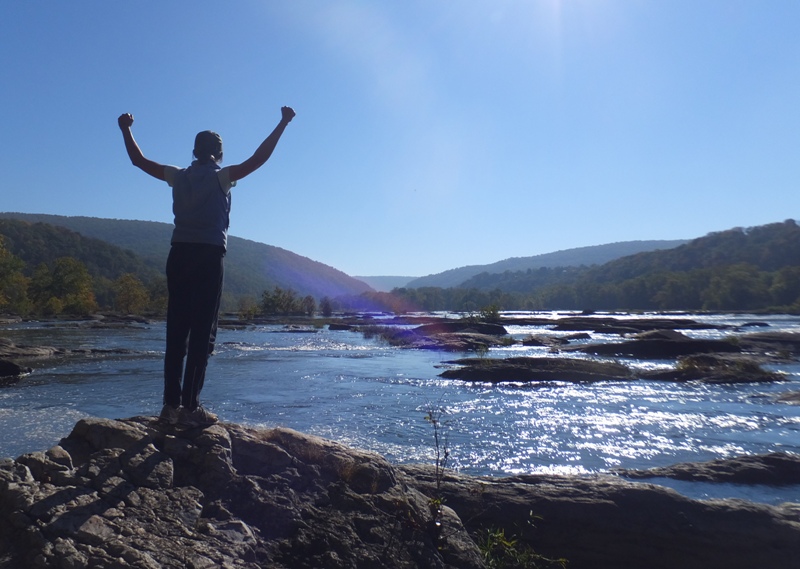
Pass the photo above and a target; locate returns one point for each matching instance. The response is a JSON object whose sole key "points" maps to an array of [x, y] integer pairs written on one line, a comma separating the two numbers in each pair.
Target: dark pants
{"points": [[194, 281]]}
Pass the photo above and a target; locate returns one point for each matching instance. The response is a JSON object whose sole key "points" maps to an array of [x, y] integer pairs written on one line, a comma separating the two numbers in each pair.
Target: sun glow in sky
{"points": [[429, 135]]}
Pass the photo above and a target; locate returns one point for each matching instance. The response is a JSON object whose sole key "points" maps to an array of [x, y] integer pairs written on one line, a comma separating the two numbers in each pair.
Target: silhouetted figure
{"points": [[201, 202]]}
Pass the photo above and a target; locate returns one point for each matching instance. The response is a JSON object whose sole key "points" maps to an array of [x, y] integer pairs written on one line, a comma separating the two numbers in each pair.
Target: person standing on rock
{"points": [[201, 202]]}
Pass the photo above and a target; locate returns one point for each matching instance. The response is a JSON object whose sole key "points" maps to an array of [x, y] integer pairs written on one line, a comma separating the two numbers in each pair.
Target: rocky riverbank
{"points": [[135, 493]]}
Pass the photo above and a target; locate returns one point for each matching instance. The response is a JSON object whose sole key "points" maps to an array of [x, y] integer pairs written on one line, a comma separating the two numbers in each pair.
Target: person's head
{"points": [[208, 147]]}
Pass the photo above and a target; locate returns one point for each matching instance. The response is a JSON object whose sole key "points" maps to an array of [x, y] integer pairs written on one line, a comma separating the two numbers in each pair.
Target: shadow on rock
{"points": [[135, 493]]}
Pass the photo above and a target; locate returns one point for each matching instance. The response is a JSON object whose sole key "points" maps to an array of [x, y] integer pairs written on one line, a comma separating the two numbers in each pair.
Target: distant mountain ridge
{"points": [[591, 255], [250, 267], [386, 283]]}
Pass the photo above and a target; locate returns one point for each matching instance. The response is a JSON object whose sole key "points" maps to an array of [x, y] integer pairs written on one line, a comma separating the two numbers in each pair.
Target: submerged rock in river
{"points": [[135, 493]]}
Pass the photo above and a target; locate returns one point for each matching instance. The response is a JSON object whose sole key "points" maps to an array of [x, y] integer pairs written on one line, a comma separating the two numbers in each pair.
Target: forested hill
{"points": [[250, 267], [41, 243], [592, 255], [765, 247], [739, 269]]}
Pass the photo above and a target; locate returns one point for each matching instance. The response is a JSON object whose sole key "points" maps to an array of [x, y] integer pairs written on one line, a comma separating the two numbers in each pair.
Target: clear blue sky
{"points": [[429, 134]]}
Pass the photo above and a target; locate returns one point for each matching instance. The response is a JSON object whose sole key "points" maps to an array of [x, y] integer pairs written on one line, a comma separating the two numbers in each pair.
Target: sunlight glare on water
{"points": [[367, 394]]}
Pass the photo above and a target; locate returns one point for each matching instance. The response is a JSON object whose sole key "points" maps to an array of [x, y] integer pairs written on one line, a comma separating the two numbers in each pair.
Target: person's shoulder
{"points": [[170, 172], [224, 176]]}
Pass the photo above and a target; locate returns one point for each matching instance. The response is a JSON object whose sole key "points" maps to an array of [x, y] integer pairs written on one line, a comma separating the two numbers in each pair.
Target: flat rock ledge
{"points": [[604, 522], [462, 336], [532, 369], [14, 356], [706, 368], [137, 494], [773, 469]]}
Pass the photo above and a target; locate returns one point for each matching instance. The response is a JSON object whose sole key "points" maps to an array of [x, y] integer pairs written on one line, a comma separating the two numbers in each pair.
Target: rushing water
{"points": [[338, 385]]}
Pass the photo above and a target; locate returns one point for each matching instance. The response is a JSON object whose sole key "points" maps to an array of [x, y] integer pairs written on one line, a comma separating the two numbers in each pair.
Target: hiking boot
{"points": [[169, 415], [200, 417]]}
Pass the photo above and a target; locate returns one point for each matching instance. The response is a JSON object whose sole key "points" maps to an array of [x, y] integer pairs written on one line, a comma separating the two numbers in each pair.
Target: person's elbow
{"points": [[149, 167], [138, 160]]}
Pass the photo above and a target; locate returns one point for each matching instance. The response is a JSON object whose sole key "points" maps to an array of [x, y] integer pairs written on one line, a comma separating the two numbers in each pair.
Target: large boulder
{"points": [[10, 370], [135, 493]]}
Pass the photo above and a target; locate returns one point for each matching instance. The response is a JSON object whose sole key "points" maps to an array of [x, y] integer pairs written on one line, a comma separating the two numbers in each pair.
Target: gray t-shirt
{"points": [[201, 202]]}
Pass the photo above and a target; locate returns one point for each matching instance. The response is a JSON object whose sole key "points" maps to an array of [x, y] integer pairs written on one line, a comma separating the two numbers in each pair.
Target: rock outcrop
{"points": [[781, 344], [9, 349], [464, 336], [773, 469], [23, 352], [528, 369], [603, 522], [659, 344], [611, 325], [707, 368], [137, 494], [134, 493], [715, 368]]}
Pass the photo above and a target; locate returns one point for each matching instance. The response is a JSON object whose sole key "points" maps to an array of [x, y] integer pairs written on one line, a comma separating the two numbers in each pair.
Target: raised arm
{"points": [[264, 151], [134, 152]]}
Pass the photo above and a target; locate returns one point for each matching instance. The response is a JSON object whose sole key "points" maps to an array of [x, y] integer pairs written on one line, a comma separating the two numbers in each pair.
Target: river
{"points": [[366, 394]]}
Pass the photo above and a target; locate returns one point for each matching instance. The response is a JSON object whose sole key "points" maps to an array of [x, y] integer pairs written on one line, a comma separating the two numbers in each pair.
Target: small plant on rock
{"points": [[502, 552], [441, 456]]}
